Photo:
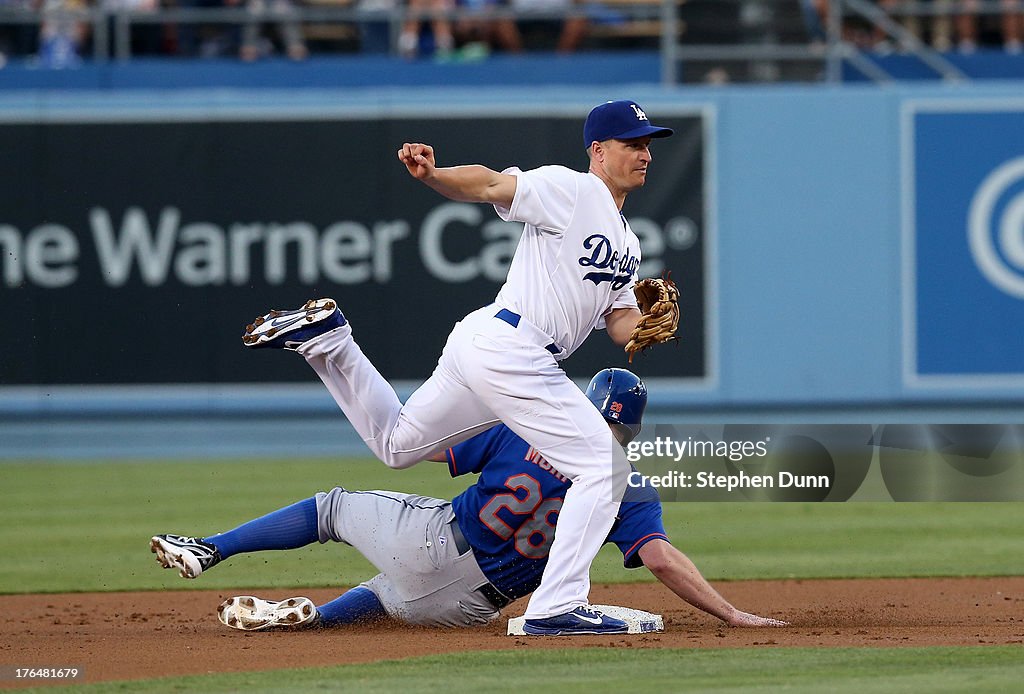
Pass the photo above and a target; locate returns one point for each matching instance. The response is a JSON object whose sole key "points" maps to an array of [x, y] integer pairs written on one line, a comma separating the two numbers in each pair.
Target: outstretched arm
{"points": [[471, 183], [675, 570]]}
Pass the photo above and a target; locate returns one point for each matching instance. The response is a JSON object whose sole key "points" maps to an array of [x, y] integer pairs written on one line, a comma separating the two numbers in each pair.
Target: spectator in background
{"points": [[940, 29], [205, 40], [374, 25], [967, 26], [1011, 26], [61, 33], [942, 26], [815, 13], [959, 17], [280, 12], [566, 34], [16, 39], [855, 29], [486, 32], [440, 25], [146, 39]]}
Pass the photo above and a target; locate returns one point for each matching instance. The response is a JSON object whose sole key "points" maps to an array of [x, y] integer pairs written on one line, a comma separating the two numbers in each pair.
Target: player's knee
{"points": [[403, 449], [328, 514], [401, 460]]}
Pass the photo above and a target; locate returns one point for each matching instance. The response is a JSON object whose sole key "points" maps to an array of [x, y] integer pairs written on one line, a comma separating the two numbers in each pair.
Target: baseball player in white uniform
{"points": [[573, 272]]}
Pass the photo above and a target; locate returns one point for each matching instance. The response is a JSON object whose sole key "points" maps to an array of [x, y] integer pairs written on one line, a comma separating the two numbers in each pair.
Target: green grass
{"points": [[795, 670], [56, 515], [85, 527], [808, 540]]}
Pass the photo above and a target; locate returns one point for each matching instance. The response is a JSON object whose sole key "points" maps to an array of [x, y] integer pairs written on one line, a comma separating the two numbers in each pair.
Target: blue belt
{"points": [[513, 320]]}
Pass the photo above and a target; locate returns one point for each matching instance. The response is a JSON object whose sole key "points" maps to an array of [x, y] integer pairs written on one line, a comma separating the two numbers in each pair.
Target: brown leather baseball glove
{"points": [[658, 300]]}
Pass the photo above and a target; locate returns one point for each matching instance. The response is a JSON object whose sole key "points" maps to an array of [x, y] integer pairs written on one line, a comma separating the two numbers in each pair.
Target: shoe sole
{"points": [[580, 626], [284, 322], [171, 557], [530, 631], [249, 613]]}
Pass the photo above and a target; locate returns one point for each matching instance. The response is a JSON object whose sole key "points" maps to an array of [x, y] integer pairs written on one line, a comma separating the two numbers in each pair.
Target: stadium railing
{"points": [[761, 33]]}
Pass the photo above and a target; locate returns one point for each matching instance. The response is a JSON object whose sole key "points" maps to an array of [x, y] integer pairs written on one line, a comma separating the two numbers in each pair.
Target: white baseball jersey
{"points": [[576, 261], [577, 258]]}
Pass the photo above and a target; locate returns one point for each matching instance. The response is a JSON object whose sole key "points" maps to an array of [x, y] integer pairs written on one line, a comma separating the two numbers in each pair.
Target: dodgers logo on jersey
{"points": [[604, 257]]}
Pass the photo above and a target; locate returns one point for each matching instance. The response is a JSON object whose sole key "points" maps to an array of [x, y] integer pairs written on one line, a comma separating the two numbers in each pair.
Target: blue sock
{"points": [[287, 528], [357, 605]]}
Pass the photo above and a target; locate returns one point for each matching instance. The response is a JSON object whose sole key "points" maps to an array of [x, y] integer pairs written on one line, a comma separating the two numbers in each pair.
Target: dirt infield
{"points": [[118, 636]]}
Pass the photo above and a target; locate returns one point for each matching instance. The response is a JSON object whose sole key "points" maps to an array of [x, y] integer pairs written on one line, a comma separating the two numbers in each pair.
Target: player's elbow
{"points": [[660, 567], [657, 557], [499, 189]]}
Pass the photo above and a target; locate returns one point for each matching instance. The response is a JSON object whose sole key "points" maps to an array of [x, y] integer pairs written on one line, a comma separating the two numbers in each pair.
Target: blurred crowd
{"points": [[948, 25], [66, 31], [63, 31]]}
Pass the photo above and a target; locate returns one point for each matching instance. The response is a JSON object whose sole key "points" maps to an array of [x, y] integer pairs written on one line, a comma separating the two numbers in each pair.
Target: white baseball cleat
{"points": [[250, 613], [290, 329], [190, 555]]}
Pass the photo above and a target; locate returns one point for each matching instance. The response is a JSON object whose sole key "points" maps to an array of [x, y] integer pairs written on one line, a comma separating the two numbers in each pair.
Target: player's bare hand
{"points": [[745, 619], [418, 159]]}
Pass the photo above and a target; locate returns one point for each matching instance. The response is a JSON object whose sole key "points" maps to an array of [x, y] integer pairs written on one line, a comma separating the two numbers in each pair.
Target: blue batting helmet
{"points": [[621, 398]]}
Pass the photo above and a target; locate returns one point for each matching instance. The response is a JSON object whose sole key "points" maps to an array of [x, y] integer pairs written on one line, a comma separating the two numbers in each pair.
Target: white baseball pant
{"points": [[490, 371]]}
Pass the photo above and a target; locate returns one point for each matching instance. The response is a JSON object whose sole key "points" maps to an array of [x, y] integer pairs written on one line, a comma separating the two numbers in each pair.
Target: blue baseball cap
{"points": [[619, 120]]}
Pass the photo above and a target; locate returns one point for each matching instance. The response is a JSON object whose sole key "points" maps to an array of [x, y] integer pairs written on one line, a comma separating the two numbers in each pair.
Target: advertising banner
{"points": [[965, 245], [136, 252]]}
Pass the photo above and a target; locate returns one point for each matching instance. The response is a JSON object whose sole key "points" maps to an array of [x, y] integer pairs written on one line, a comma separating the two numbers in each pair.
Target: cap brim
{"points": [[645, 131]]}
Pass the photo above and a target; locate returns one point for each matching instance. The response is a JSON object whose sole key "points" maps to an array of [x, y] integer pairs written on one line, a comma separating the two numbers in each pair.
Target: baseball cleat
{"points": [[250, 613], [289, 329], [190, 555], [582, 620]]}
